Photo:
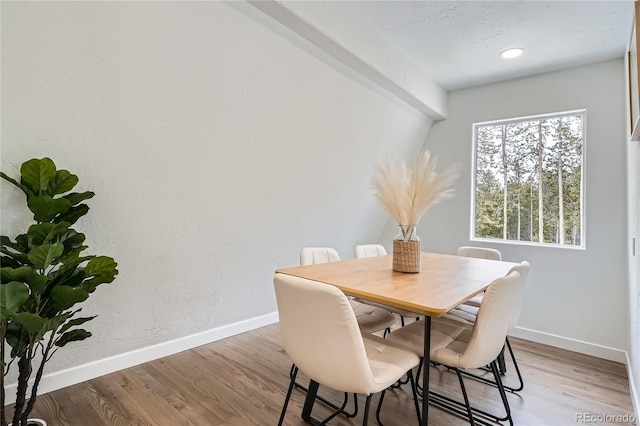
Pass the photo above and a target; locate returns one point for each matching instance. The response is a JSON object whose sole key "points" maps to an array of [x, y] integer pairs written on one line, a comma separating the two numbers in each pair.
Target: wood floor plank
{"points": [[242, 381], [111, 392]]}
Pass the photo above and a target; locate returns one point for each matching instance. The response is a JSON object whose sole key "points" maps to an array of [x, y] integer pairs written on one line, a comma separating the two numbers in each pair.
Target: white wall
{"points": [[575, 298], [216, 147], [633, 152], [633, 204]]}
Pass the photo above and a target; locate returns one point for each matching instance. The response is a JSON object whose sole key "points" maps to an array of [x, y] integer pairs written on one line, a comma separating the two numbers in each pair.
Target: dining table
{"points": [[444, 282]]}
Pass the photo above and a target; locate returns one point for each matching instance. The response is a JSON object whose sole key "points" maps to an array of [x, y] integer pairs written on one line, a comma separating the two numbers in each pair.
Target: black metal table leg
{"points": [[425, 370]]}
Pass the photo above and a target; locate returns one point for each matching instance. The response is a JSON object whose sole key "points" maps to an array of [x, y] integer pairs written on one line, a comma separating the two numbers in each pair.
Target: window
{"points": [[528, 180]]}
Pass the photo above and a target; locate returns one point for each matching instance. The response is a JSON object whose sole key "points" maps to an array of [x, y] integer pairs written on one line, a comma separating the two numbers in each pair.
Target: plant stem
{"points": [[34, 388], [3, 332], [24, 368]]}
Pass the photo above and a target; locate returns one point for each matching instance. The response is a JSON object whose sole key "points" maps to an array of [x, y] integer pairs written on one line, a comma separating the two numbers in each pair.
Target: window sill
{"points": [[529, 243]]}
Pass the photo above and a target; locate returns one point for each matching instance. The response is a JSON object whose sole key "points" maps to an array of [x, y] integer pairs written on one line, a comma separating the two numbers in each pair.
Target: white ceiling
{"points": [[457, 43]]}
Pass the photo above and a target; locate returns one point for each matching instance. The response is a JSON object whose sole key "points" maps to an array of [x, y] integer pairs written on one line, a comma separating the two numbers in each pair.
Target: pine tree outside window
{"points": [[528, 180]]}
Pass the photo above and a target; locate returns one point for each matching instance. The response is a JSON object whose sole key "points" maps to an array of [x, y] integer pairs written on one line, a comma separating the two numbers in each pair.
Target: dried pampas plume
{"points": [[407, 191]]}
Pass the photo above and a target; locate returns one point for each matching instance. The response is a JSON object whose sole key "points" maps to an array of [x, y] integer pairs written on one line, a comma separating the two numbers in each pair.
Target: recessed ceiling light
{"points": [[512, 53]]}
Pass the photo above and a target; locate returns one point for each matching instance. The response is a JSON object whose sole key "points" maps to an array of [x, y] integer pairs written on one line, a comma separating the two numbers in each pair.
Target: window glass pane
{"points": [[528, 179]]}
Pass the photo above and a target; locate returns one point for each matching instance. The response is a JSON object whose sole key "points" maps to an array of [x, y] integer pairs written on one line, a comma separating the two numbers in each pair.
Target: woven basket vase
{"points": [[406, 256]]}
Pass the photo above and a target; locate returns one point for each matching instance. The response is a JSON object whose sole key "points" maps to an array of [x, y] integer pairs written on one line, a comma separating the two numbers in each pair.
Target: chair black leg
{"points": [[340, 410], [450, 404], [466, 398], [415, 396], [515, 364], [355, 408], [297, 385], [418, 375], [400, 382], [367, 404], [503, 394], [323, 400], [502, 369], [502, 365], [294, 372], [379, 407]]}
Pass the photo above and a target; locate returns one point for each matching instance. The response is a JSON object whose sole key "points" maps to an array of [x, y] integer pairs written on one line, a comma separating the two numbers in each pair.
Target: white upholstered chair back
{"points": [[372, 250], [320, 334], [369, 250], [370, 318], [523, 270], [492, 323], [479, 252], [313, 255]]}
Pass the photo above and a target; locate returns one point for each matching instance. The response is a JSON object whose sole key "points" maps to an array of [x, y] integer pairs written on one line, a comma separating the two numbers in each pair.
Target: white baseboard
{"points": [[587, 348], [633, 388], [81, 373], [567, 343]]}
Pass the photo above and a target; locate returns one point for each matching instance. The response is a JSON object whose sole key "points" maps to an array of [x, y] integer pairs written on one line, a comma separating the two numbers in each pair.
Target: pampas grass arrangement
{"points": [[407, 191]]}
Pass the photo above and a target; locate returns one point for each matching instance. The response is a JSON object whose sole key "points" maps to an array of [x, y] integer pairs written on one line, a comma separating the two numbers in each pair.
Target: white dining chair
{"points": [[313, 255], [461, 347], [372, 250], [369, 250], [467, 313], [478, 253], [370, 318], [321, 336]]}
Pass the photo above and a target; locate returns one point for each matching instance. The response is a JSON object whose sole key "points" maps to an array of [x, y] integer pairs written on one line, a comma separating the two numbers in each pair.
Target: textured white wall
{"points": [[216, 148], [579, 295]]}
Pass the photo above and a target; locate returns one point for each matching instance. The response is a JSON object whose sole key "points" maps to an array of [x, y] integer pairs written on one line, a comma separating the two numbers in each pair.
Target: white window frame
{"points": [[583, 218]]}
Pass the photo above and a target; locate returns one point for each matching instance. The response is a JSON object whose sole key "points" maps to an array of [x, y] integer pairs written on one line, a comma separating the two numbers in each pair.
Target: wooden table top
{"points": [[443, 282]]}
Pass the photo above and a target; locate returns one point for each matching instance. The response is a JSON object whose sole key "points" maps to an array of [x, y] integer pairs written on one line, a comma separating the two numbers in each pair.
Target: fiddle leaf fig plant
{"points": [[44, 275]]}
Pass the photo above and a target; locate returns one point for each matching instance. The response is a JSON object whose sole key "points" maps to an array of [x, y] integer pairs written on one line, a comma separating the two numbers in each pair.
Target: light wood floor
{"points": [[243, 380]]}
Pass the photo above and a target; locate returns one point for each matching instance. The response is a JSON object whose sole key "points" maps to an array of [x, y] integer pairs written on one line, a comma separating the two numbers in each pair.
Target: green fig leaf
{"points": [[15, 274], [37, 173], [37, 282], [32, 323], [64, 297], [72, 336], [44, 233], [62, 182], [24, 188], [74, 323], [45, 208], [101, 269], [77, 197], [42, 257], [12, 296], [72, 214]]}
